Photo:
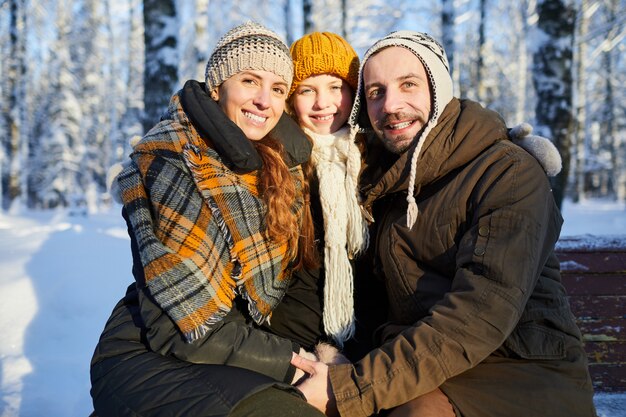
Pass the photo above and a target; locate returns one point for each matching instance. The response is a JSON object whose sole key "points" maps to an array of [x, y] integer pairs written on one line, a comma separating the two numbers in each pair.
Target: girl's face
{"points": [[254, 100], [322, 103]]}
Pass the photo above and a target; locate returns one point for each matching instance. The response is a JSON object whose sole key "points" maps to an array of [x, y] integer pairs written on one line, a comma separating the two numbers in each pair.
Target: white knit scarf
{"points": [[337, 162]]}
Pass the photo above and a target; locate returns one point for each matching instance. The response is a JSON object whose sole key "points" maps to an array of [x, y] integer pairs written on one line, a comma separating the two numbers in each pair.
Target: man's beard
{"points": [[399, 144]]}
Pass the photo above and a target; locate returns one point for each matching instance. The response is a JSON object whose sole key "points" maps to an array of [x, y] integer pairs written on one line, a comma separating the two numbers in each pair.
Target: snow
{"points": [[61, 276], [598, 217]]}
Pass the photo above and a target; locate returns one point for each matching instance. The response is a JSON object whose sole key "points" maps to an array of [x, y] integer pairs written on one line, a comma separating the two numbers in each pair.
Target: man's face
{"points": [[398, 96]]}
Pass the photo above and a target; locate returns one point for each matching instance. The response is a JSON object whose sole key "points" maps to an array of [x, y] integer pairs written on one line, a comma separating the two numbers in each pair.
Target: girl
{"points": [[325, 78]]}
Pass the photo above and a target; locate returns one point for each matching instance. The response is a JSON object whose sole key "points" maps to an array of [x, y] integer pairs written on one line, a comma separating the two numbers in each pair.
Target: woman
{"points": [[214, 199]]}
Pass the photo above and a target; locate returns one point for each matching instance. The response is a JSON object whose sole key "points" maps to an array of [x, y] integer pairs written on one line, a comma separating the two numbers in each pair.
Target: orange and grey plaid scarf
{"points": [[200, 228]]}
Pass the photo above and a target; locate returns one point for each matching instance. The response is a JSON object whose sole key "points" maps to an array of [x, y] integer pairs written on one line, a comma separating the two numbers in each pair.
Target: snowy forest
{"points": [[79, 78]]}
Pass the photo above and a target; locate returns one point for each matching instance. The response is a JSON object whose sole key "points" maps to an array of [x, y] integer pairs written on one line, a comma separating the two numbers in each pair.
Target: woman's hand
{"points": [[300, 374], [316, 388]]}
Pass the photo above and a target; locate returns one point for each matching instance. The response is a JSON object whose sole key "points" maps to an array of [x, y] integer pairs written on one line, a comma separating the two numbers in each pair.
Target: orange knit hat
{"points": [[324, 53]]}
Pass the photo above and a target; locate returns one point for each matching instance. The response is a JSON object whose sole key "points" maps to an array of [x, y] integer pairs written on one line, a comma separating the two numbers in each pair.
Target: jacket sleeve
{"points": [[510, 233], [234, 341], [298, 317], [128, 379]]}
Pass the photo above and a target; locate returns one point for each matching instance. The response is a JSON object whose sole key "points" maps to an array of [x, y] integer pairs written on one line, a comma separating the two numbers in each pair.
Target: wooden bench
{"points": [[594, 275]]}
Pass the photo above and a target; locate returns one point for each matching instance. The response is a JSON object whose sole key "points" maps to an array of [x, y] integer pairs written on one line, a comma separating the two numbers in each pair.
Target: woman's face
{"points": [[254, 100], [322, 103]]}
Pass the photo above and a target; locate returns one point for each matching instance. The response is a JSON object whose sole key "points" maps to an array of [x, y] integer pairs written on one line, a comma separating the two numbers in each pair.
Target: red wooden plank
{"points": [[596, 262], [599, 306], [592, 284], [606, 352], [590, 243], [594, 275], [608, 378], [603, 330]]}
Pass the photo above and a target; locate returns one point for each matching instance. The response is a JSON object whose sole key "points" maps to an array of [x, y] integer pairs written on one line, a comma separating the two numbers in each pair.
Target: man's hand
{"points": [[316, 388]]}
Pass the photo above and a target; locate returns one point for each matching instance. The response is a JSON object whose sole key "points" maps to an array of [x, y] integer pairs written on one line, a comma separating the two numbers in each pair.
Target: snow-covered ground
{"points": [[61, 276]]}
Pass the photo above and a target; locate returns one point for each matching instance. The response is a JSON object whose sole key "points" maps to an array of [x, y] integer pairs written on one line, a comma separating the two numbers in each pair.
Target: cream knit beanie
{"points": [[248, 46]]}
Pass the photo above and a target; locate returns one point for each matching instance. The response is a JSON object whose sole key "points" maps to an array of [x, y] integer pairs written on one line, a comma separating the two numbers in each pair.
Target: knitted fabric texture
{"points": [[200, 228], [435, 61], [324, 53], [337, 162], [250, 46]]}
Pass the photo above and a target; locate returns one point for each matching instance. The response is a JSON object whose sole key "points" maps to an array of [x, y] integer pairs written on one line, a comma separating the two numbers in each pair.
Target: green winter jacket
{"points": [[475, 277]]}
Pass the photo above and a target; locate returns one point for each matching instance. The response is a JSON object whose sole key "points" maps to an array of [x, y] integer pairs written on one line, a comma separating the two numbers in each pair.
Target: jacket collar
{"points": [[465, 129], [236, 150]]}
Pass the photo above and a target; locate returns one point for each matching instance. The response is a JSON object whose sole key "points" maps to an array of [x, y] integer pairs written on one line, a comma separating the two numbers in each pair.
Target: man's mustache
{"points": [[400, 117]]}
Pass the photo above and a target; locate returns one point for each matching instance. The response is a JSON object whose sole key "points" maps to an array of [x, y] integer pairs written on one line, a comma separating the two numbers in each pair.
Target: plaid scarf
{"points": [[200, 228]]}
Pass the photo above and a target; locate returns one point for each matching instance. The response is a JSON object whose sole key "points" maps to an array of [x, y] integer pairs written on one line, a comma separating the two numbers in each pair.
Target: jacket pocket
{"points": [[531, 341], [447, 221]]}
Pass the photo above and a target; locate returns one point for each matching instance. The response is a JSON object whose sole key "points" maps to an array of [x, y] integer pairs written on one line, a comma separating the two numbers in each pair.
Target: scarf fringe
{"points": [[338, 315], [256, 315], [207, 327]]}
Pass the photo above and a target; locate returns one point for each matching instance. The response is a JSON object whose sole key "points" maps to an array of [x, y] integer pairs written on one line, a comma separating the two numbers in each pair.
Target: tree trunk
{"points": [[521, 84], [12, 167], [552, 77], [609, 132], [307, 15], [201, 40], [480, 82], [344, 19], [161, 65], [447, 37], [580, 100], [131, 121]]}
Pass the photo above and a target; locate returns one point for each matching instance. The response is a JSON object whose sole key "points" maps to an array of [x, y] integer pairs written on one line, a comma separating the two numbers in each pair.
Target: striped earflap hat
{"points": [[433, 57]]}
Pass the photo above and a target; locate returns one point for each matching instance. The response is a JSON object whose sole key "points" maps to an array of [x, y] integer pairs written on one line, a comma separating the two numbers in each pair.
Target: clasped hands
{"points": [[312, 379]]}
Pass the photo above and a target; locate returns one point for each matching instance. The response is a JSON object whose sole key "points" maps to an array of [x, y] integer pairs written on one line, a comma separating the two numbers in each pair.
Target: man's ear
{"points": [[215, 95]]}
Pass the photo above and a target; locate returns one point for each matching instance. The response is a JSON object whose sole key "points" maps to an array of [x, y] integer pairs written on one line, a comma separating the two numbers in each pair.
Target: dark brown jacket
{"points": [[475, 276]]}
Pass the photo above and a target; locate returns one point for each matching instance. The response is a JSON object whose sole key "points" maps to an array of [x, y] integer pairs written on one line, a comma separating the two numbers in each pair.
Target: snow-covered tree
{"points": [[73, 75], [307, 13], [91, 38], [193, 39], [132, 83], [11, 156], [580, 101], [603, 169], [611, 138], [552, 77], [447, 35], [161, 58], [60, 148], [481, 84]]}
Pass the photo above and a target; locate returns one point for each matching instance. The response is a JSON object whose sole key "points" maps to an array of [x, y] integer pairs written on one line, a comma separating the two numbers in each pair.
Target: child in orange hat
{"points": [[326, 72]]}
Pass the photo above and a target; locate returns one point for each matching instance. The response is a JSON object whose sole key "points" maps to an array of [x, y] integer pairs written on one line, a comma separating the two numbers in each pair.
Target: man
{"points": [[477, 322]]}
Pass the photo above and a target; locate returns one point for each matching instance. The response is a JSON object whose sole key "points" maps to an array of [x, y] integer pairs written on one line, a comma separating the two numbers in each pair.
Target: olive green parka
{"points": [[475, 301]]}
